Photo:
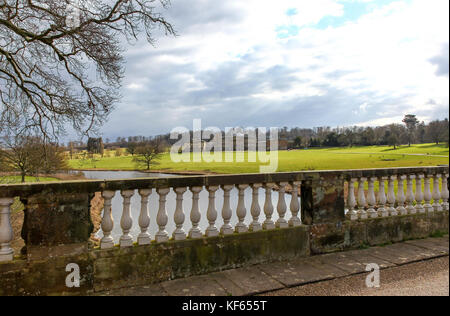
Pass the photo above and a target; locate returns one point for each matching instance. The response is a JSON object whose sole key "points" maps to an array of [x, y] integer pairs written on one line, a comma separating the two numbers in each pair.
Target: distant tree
{"points": [[350, 136], [298, 142], [102, 149], [53, 159], [437, 131], [411, 122], [71, 149], [95, 145], [131, 148], [393, 140], [148, 153], [30, 156]]}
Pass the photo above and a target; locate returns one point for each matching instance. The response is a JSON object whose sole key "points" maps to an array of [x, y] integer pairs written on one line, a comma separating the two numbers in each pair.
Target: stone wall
{"points": [[138, 265]]}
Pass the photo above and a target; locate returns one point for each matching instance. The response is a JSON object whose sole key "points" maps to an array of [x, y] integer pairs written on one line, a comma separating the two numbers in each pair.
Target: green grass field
{"points": [[18, 179], [295, 160]]}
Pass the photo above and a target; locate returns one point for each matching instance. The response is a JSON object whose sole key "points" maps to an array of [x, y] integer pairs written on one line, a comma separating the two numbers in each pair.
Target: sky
{"points": [[294, 63]]}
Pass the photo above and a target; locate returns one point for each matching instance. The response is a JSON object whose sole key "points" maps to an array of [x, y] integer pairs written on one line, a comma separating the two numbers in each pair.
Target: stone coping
{"points": [[91, 186]]}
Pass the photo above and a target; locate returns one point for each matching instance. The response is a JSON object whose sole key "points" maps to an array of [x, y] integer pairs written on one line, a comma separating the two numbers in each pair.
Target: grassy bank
{"points": [[295, 160]]}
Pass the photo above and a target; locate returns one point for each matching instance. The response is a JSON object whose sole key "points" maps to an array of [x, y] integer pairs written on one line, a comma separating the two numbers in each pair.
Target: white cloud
{"points": [[229, 52]]}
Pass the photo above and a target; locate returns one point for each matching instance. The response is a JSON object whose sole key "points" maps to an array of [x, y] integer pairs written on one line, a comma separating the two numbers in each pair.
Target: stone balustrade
{"points": [[369, 197], [57, 214]]}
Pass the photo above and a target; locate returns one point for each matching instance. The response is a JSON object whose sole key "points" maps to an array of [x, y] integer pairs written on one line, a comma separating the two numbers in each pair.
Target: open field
{"points": [[295, 160], [18, 179]]}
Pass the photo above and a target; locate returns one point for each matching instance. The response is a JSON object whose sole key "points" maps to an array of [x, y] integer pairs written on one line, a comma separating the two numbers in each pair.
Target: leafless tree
{"points": [[437, 131], [31, 156], [48, 50], [147, 154]]}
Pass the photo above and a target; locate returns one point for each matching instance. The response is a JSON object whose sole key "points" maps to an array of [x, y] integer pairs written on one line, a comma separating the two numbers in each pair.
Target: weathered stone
{"points": [[365, 258], [56, 221], [194, 286], [297, 272], [436, 246], [343, 262], [143, 265], [327, 238], [252, 280], [323, 200]]}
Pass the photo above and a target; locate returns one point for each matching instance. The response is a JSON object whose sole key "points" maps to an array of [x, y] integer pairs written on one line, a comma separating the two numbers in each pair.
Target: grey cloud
{"points": [[225, 97], [441, 61]]}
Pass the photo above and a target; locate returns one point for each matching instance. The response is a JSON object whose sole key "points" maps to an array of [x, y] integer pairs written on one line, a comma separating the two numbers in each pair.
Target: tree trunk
{"points": [[23, 177]]}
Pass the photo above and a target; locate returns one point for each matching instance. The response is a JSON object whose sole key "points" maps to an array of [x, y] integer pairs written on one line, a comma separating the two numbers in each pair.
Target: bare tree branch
{"points": [[48, 49]]}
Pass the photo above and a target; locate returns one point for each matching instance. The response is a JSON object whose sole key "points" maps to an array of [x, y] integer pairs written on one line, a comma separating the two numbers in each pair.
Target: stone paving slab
{"points": [[231, 288], [365, 258], [344, 262], [253, 280], [441, 247], [329, 271], [403, 253], [194, 286], [296, 272], [274, 276], [148, 290]]}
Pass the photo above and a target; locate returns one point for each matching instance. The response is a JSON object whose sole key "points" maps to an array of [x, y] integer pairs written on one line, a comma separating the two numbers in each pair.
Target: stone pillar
{"points": [[56, 224], [323, 200]]}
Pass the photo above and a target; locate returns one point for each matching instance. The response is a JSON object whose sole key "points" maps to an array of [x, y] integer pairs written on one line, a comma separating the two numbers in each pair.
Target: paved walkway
{"points": [[424, 278], [271, 277]]}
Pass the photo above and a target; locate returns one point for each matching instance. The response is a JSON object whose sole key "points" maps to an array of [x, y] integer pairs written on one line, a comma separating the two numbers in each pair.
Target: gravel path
{"points": [[427, 278]]}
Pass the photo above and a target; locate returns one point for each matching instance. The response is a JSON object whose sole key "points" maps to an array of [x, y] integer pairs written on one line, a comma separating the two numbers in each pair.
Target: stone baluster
{"points": [[268, 207], [226, 228], [371, 199], [362, 199], [401, 198], [144, 218], [6, 230], [161, 217], [382, 200], [281, 206], [437, 194], [410, 198], [419, 194], [211, 214], [241, 211], [126, 222], [195, 232], [445, 193], [255, 209], [427, 194], [107, 225], [295, 205], [352, 214], [391, 196], [179, 216]]}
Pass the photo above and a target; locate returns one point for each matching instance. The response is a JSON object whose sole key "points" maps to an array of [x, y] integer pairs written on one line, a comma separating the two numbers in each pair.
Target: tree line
{"points": [[411, 131]]}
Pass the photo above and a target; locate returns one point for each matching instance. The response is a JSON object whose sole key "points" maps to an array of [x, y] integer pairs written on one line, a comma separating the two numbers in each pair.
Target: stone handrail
{"points": [[322, 201]]}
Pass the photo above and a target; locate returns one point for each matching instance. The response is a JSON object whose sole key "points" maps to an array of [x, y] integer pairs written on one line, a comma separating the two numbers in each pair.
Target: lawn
{"points": [[18, 179], [295, 160]]}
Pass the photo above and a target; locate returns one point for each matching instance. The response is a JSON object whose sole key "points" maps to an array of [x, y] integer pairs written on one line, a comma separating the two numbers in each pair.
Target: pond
{"points": [[170, 206]]}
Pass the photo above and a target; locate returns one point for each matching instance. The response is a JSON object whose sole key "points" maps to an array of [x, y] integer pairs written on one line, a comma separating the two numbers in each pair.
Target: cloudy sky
{"points": [[267, 63]]}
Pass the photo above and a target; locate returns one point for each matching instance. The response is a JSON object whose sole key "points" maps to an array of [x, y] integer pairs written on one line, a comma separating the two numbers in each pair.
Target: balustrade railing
{"points": [[371, 194], [369, 198]]}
